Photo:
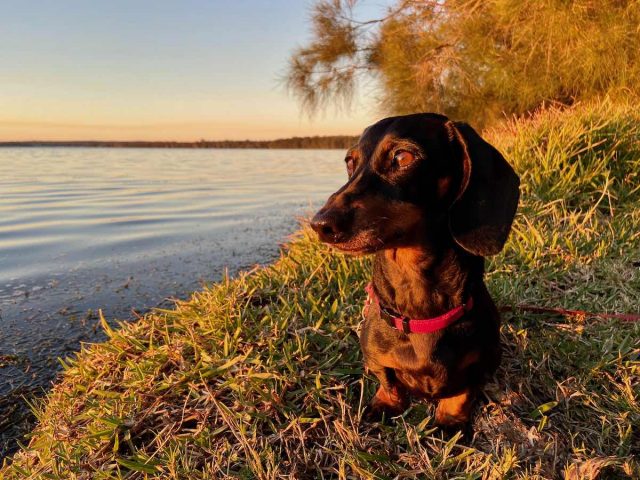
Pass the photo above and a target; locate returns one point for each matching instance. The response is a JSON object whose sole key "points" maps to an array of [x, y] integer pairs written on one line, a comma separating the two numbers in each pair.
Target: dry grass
{"points": [[261, 376]]}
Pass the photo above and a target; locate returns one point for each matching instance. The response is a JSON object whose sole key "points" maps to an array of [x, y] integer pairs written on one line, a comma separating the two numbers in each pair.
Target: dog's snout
{"points": [[327, 225], [324, 226]]}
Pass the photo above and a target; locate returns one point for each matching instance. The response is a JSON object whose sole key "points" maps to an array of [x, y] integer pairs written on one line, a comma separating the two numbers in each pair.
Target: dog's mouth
{"points": [[346, 248], [361, 243]]}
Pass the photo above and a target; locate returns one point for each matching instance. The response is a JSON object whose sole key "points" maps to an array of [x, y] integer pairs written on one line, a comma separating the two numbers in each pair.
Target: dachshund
{"points": [[430, 198]]}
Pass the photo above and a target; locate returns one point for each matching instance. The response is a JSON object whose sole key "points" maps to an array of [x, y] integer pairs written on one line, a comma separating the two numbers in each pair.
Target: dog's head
{"points": [[418, 177]]}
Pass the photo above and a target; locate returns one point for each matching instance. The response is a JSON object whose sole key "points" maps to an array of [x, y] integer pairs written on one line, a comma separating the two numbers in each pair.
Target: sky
{"points": [[159, 70]]}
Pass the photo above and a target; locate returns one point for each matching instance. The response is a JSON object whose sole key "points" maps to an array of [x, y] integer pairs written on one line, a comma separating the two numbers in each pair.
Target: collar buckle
{"points": [[406, 329]]}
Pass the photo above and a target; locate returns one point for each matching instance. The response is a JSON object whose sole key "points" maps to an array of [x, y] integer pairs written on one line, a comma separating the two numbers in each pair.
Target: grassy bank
{"points": [[261, 376]]}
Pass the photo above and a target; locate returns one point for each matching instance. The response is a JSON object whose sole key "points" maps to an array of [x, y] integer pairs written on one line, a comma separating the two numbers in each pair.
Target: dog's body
{"points": [[451, 363], [430, 198]]}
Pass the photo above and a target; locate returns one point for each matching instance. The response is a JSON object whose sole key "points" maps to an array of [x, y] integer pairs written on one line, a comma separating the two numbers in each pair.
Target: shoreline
{"points": [[15, 402], [31, 374]]}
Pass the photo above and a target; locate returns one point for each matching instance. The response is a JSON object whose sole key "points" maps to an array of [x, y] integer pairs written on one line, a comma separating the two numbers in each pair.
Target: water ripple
{"points": [[64, 203]]}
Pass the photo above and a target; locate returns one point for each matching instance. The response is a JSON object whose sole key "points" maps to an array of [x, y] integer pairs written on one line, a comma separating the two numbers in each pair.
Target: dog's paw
{"points": [[453, 413], [386, 405], [450, 422]]}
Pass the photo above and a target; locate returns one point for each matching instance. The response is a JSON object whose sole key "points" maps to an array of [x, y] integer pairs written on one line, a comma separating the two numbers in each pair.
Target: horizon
{"points": [[200, 140], [160, 71]]}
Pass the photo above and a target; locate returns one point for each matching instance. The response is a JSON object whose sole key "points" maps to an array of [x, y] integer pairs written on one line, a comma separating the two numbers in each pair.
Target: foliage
{"points": [[474, 60], [261, 376]]}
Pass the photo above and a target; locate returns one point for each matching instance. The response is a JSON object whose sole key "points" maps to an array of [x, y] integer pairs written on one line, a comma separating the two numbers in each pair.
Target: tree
{"points": [[473, 60]]}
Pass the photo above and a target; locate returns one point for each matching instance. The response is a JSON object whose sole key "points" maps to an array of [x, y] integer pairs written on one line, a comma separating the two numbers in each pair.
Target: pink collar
{"points": [[418, 325]]}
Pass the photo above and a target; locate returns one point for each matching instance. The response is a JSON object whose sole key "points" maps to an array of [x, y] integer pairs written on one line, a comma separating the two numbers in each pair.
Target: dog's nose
{"points": [[325, 224]]}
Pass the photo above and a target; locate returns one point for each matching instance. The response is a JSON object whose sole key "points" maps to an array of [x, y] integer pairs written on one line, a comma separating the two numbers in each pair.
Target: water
{"points": [[123, 230]]}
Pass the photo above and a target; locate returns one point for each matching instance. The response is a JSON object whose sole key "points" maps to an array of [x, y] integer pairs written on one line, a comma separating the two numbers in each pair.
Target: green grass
{"points": [[261, 376]]}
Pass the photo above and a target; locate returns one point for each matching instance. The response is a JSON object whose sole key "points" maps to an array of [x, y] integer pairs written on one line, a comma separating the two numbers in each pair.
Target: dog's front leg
{"points": [[455, 411], [391, 399]]}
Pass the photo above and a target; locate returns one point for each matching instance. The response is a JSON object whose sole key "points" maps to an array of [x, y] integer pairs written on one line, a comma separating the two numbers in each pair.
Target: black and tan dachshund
{"points": [[431, 199]]}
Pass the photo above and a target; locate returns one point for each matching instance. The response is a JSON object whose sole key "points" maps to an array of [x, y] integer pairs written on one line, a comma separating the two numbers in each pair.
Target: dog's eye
{"points": [[403, 158], [350, 165]]}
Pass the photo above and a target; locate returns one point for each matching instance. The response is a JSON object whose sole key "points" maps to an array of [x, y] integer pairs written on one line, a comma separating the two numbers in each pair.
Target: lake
{"points": [[123, 230]]}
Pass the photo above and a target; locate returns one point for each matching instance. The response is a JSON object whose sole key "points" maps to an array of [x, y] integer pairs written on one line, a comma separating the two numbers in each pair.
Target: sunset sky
{"points": [[158, 70]]}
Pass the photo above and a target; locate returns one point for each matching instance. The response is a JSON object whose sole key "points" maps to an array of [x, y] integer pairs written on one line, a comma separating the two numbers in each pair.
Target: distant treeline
{"points": [[317, 142]]}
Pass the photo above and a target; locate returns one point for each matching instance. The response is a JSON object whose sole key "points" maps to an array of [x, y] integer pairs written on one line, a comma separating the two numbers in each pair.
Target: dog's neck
{"points": [[427, 280]]}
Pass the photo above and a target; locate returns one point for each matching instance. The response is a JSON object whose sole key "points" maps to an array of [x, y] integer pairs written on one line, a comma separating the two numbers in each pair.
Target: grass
{"points": [[261, 376]]}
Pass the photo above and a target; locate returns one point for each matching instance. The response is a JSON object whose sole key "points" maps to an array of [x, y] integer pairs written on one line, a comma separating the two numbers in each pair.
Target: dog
{"points": [[430, 198]]}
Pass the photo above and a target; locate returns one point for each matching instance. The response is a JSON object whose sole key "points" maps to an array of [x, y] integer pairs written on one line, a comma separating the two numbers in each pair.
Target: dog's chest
{"points": [[420, 362]]}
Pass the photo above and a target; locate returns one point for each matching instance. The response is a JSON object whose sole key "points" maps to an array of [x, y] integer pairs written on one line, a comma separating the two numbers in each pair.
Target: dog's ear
{"points": [[481, 215]]}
